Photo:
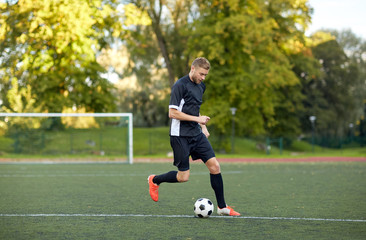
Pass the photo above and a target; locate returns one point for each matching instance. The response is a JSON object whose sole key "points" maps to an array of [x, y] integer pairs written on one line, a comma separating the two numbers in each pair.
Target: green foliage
{"points": [[262, 63], [51, 46], [355, 49], [20, 100], [148, 42], [336, 87], [249, 67], [307, 69], [291, 18], [330, 85]]}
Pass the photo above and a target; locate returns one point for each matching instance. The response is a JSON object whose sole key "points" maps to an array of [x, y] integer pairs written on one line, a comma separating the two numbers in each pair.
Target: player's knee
{"points": [[213, 166], [215, 169]]}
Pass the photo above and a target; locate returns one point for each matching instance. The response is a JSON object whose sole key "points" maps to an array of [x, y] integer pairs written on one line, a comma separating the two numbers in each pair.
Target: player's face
{"points": [[198, 74]]}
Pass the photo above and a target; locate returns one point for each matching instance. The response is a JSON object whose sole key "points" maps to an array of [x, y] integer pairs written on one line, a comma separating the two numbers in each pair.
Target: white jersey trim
{"points": [[173, 106], [175, 128]]}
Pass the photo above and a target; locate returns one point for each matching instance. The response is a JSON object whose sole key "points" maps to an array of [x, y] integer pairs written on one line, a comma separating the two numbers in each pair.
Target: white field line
{"points": [[180, 216], [18, 175]]}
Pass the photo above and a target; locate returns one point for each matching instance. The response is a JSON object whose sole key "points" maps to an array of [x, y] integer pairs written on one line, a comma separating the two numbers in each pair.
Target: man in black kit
{"points": [[188, 135]]}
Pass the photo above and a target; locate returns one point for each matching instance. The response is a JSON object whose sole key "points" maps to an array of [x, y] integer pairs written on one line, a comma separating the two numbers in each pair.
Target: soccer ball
{"points": [[203, 208]]}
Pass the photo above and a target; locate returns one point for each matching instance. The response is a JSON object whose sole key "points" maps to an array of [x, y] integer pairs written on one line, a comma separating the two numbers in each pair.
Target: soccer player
{"points": [[188, 135]]}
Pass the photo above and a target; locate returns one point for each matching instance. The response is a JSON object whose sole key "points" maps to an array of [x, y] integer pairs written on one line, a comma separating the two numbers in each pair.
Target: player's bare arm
{"points": [[174, 113], [204, 130]]}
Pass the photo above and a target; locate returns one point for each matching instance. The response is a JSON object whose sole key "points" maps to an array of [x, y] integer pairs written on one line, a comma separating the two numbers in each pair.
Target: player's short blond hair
{"points": [[202, 63]]}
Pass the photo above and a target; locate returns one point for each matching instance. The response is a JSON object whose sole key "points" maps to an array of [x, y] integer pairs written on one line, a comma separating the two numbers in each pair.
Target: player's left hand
{"points": [[205, 131]]}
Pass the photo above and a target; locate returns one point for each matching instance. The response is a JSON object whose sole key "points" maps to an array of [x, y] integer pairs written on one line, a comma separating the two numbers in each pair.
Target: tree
{"points": [[169, 23], [250, 66], [335, 107], [330, 90], [291, 18], [51, 46], [308, 70], [157, 56], [247, 42], [355, 48], [20, 100]]}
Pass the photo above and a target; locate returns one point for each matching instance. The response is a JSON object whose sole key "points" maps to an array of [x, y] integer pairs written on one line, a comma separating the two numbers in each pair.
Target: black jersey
{"points": [[186, 97]]}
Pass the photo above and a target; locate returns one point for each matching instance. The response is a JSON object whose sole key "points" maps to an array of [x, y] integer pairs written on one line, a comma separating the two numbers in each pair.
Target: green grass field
{"points": [[111, 201]]}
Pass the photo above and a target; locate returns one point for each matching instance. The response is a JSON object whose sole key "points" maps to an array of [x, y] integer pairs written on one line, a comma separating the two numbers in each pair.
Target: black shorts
{"points": [[198, 147]]}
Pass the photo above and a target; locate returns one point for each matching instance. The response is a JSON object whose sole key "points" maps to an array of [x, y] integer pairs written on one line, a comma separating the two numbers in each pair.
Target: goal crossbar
{"points": [[65, 114], [129, 115]]}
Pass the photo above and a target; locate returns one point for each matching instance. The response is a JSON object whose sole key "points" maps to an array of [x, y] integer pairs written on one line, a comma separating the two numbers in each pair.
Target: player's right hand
{"points": [[203, 119]]}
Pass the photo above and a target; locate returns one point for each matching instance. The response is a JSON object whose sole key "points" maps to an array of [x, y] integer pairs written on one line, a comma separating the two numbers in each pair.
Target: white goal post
{"points": [[127, 115]]}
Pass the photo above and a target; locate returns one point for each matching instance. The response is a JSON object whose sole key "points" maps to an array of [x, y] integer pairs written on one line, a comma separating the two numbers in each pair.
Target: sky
{"points": [[339, 15]]}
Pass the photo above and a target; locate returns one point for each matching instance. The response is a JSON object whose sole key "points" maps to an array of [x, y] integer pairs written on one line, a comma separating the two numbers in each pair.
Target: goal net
{"points": [[67, 136]]}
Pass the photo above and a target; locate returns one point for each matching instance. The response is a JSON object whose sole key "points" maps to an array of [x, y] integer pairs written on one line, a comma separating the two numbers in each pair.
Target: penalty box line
{"points": [[181, 216]]}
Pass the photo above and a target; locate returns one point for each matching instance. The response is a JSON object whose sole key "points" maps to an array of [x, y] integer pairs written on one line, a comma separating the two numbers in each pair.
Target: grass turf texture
{"points": [[289, 190]]}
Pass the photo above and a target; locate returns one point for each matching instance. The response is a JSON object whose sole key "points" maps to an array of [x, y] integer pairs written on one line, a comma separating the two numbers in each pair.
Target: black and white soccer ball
{"points": [[203, 208]]}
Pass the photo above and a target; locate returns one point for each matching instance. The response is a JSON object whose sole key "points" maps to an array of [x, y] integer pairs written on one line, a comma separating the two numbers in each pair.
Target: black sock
{"points": [[170, 177], [218, 186]]}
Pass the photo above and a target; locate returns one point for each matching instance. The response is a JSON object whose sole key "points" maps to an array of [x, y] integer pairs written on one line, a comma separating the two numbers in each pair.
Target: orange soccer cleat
{"points": [[228, 211], [153, 188]]}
